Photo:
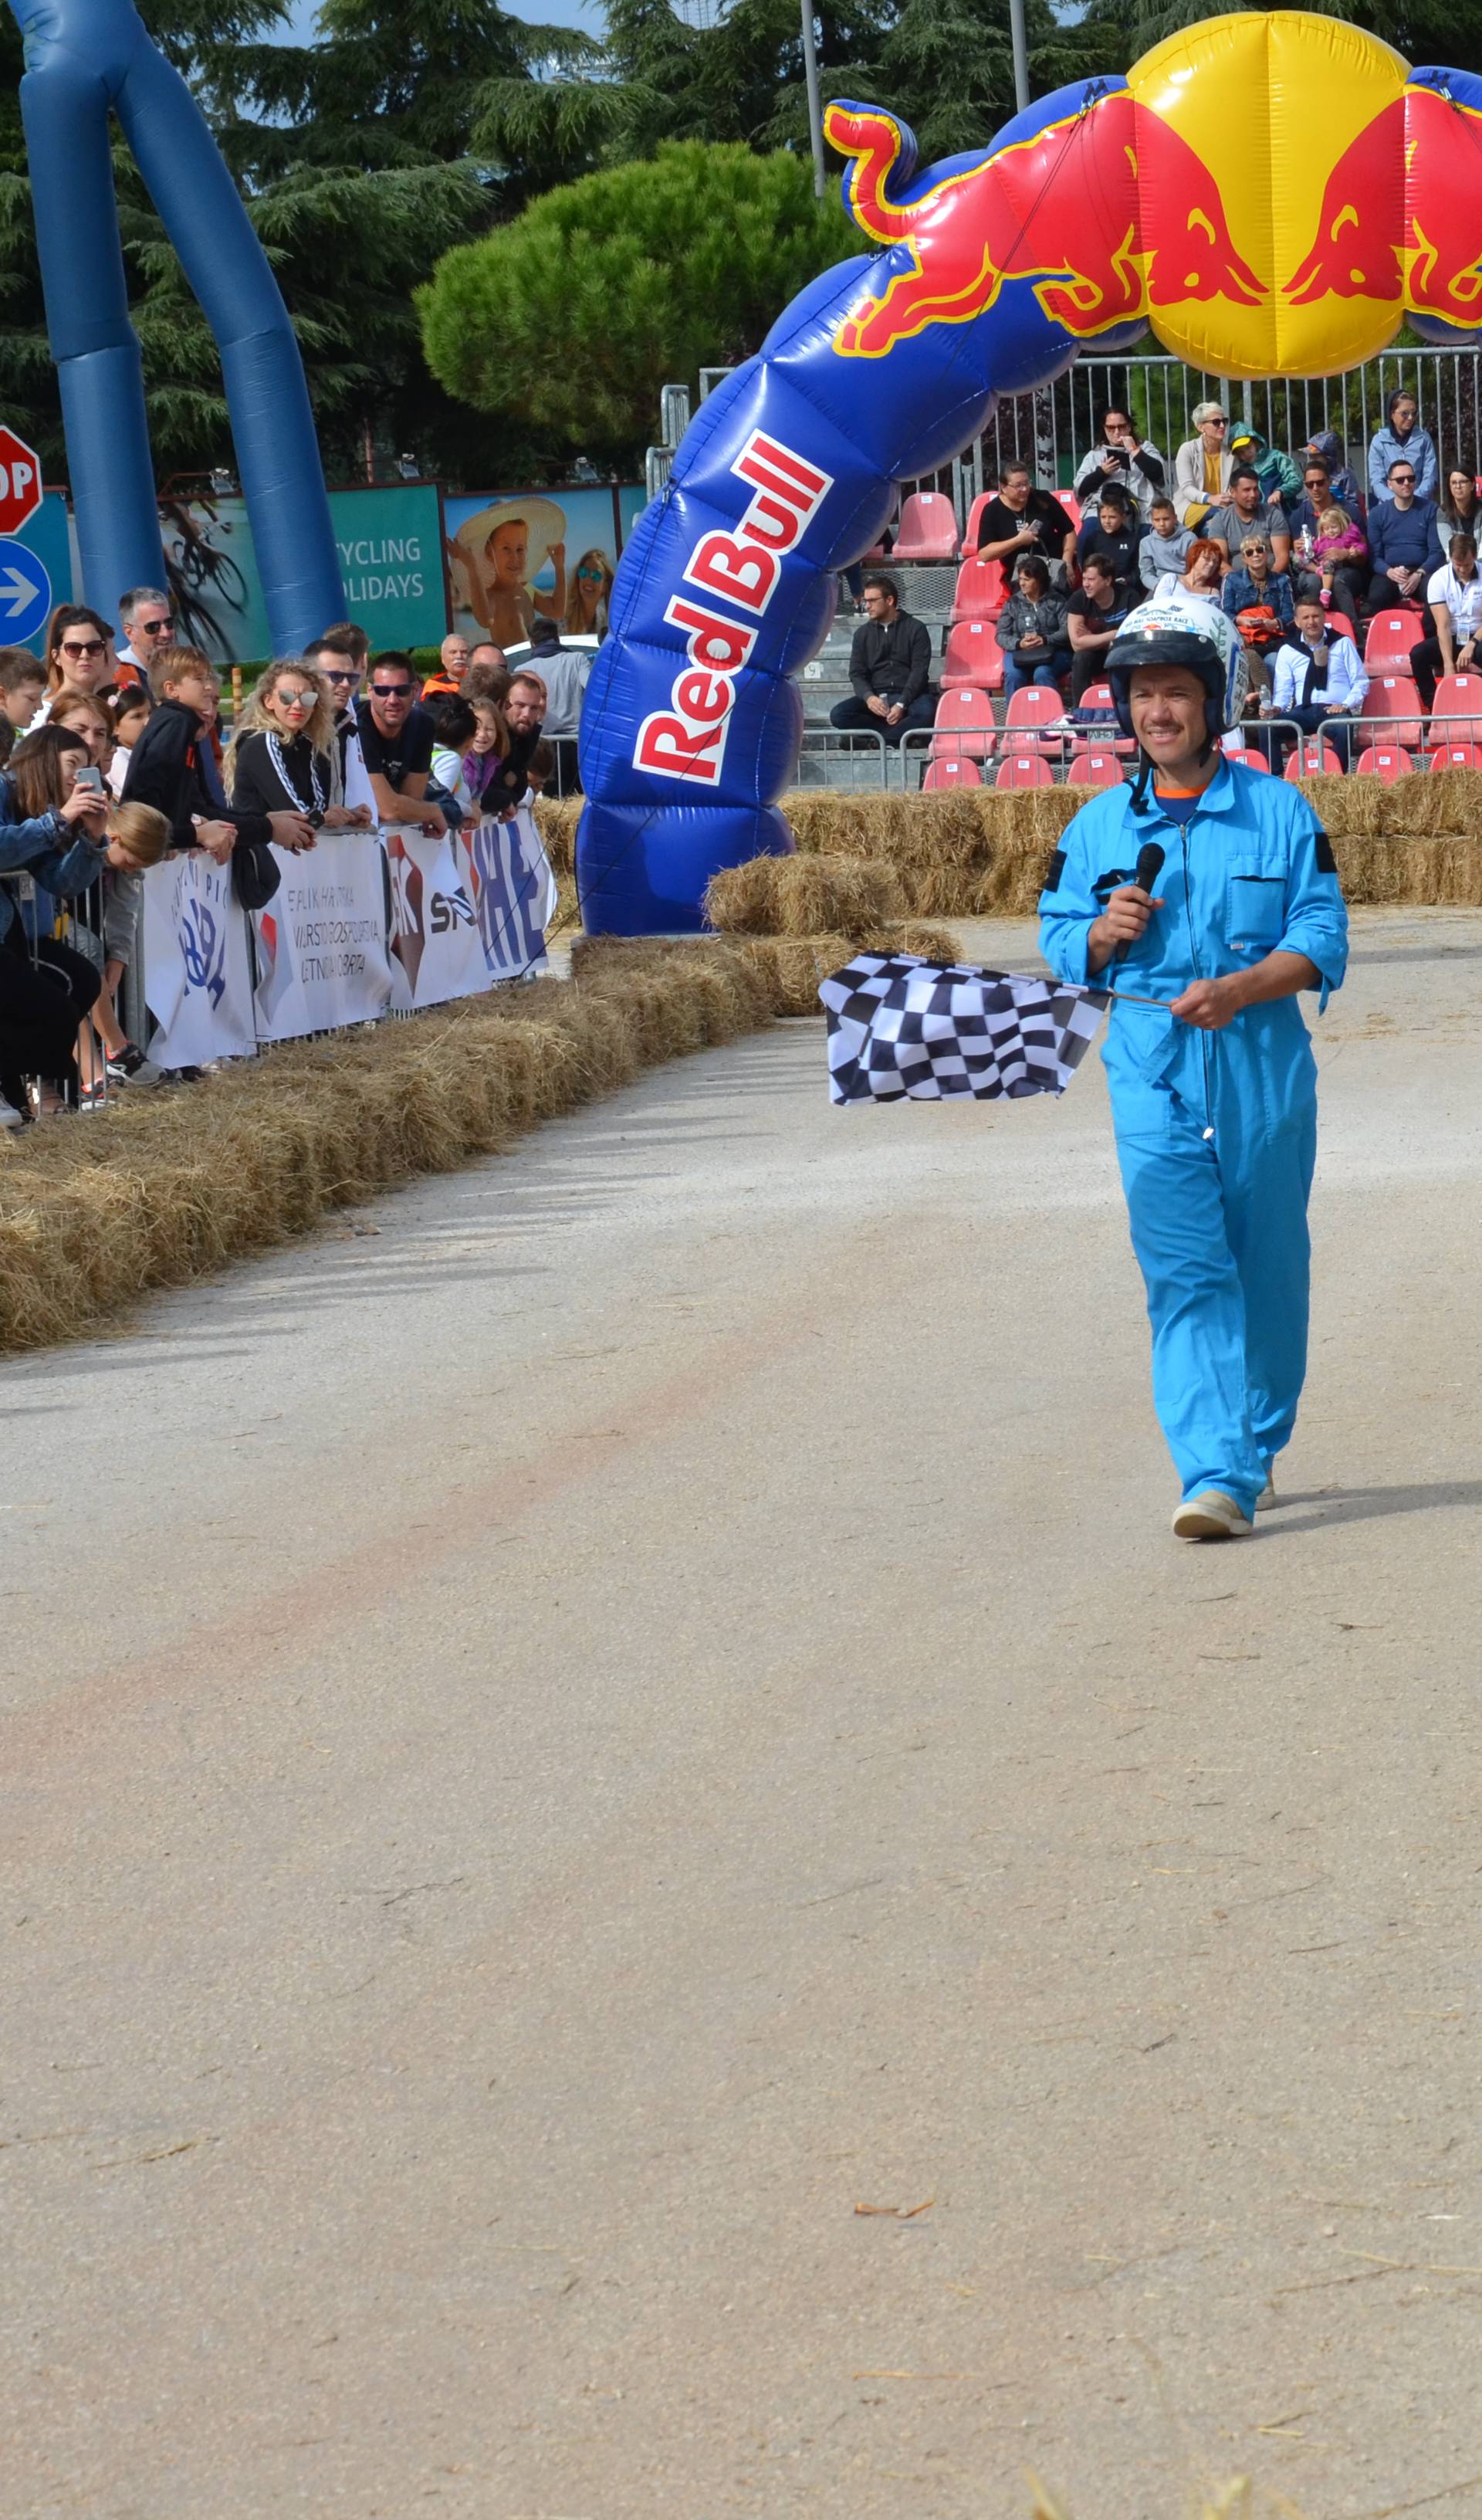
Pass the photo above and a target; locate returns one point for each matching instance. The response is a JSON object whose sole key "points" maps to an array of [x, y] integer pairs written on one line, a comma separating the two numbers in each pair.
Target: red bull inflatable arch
{"points": [[1271, 193]]}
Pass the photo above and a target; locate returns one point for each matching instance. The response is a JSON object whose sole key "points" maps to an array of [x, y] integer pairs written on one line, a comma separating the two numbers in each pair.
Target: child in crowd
{"points": [[23, 680], [138, 837], [165, 770], [489, 743], [1339, 540], [88, 718], [1165, 546], [453, 730], [128, 713], [542, 768]]}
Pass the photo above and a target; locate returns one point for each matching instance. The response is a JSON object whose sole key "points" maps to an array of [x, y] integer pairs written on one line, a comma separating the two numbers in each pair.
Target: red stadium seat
{"points": [[974, 535], [1023, 770], [1313, 759], [952, 773], [1459, 696], [1252, 760], [964, 728], [1341, 622], [1457, 756], [973, 655], [981, 593], [1390, 637], [928, 527], [1094, 770], [1072, 507], [1035, 704], [1395, 699], [1386, 761], [1097, 695]]}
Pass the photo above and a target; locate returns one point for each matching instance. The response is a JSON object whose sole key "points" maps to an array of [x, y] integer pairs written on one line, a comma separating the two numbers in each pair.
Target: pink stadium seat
{"points": [[1097, 695], [1072, 507], [1457, 756], [1386, 761], [981, 593], [964, 728], [1390, 638], [928, 527], [1313, 759], [1023, 770], [1394, 697], [1094, 770], [1034, 706], [1459, 696], [973, 655], [953, 773], [1341, 622], [1253, 760], [974, 535]]}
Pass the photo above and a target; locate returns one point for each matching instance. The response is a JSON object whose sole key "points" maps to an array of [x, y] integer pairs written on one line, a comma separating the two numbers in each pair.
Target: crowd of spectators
{"points": [[112, 757]]}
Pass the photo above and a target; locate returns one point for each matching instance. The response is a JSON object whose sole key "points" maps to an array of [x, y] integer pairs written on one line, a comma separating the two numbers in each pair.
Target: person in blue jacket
{"points": [[46, 988], [1213, 1089]]}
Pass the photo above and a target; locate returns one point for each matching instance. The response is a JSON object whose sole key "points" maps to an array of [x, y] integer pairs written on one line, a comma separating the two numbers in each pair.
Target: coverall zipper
{"points": [[1182, 829]]}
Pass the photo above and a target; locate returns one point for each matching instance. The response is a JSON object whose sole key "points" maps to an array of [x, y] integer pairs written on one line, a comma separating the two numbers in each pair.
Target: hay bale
{"points": [[804, 896], [163, 1188]]}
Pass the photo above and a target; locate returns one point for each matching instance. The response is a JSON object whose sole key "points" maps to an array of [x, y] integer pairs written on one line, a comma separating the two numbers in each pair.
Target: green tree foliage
{"points": [[576, 312]]}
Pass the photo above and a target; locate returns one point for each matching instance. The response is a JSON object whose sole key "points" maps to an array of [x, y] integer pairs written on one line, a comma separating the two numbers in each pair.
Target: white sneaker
{"points": [[9, 1117], [1210, 1515], [1268, 1495]]}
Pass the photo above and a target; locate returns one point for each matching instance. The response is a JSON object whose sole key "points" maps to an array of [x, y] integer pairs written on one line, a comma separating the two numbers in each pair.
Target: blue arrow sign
{"points": [[25, 593]]}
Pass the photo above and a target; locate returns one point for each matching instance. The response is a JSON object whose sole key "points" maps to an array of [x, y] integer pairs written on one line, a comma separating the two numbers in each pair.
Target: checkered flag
{"points": [[900, 1026]]}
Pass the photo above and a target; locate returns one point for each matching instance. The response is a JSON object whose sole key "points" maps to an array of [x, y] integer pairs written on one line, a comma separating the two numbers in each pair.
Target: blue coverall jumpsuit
{"points": [[1216, 1130]]}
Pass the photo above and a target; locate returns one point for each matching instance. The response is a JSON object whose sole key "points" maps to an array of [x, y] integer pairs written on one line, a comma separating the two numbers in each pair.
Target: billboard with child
{"points": [[514, 553]]}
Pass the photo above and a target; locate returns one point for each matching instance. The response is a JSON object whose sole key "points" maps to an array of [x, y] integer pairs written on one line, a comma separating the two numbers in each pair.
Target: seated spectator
{"points": [[1021, 517], [1203, 569], [1093, 616], [1202, 468], [22, 681], [524, 715], [1457, 512], [1401, 437], [889, 669], [127, 712], [1280, 479], [1125, 460], [1404, 546], [586, 613], [1327, 449], [1455, 596], [148, 622], [1319, 490], [396, 744], [1259, 602], [454, 726], [136, 839], [1115, 536], [51, 830], [1031, 628], [564, 673], [284, 757], [166, 771], [1248, 515], [1317, 678], [447, 682], [1340, 563], [78, 656], [1164, 547]]}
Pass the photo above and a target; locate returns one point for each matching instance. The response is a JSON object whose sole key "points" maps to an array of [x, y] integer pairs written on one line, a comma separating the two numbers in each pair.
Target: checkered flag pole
{"points": [[901, 1028]]}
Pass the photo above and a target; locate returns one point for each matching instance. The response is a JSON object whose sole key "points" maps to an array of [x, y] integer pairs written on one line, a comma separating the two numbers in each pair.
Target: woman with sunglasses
{"points": [[79, 657], [284, 758], [587, 610]]}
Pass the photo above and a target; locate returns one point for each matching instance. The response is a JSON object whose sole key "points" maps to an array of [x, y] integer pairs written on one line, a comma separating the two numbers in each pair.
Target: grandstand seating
{"points": [[1252, 760], [1094, 770], [1456, 756], [951, 772], [980, 594], [1386, 761], [973, 533], [1395, 699], [964, 726], [1460, 695], [927, 529], [1023, 770], [1390, 637], [1033, 706], [973, 655], [1313, 759], [1341, 622]]}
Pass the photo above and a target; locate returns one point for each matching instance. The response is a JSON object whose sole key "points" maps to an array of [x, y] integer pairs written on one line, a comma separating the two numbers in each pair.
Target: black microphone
{"points": [[1149, 866]]}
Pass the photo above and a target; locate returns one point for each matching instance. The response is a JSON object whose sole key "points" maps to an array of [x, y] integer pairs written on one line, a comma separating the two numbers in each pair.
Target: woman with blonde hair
{"points": [[586, 612], [283, 757]]}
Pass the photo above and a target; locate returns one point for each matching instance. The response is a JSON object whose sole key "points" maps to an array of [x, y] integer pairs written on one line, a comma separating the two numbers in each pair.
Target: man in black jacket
{"points": [[889, 667], [164, 771]]}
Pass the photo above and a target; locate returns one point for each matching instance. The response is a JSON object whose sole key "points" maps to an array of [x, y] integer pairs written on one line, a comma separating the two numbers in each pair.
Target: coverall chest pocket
{"points": [[1256, 905]]}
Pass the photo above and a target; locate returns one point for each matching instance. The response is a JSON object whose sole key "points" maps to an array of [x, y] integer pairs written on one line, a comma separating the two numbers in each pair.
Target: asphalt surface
{"points": [[577, 1730]]}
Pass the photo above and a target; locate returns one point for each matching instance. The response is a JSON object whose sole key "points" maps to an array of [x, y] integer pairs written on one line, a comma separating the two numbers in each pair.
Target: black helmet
{"points": [[1178, 631]]}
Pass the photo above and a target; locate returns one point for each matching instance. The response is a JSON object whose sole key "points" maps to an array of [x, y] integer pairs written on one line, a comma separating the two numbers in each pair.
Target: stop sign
{"points": [[19, 481]]}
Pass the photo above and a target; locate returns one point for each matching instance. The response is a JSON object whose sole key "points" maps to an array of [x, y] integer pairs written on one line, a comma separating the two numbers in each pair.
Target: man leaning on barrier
{"points": [[889, 667]]}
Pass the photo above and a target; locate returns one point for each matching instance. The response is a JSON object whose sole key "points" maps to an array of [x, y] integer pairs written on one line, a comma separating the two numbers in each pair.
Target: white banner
{"points": [[436, 951], [513, 895], [320, 942], [198, 981]]}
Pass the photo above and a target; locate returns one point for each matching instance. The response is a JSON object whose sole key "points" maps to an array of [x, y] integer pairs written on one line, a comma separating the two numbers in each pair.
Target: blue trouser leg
{"points": [[1226, 1370]]}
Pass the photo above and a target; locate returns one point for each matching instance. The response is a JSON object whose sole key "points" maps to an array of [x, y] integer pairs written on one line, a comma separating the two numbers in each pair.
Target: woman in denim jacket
{"points": [[51, 833]]}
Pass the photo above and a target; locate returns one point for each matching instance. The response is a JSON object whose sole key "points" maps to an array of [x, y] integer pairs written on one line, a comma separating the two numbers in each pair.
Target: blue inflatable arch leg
{"points": [[84, 56]]}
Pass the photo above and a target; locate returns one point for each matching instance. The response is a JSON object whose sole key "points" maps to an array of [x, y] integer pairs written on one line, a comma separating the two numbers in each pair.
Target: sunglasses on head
{"points": [[82, 646], [391, 690]]}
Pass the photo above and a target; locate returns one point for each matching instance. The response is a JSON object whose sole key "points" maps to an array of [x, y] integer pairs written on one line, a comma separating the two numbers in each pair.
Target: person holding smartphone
{"points": [[52, 834]]}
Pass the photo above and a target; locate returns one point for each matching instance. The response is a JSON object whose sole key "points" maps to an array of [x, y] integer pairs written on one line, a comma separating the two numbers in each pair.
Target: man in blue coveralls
{"points": [[1214, 1090]]}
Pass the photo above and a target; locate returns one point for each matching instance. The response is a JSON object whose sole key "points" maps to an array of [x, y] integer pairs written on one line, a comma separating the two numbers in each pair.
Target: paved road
{"points": [[570, 1736]]}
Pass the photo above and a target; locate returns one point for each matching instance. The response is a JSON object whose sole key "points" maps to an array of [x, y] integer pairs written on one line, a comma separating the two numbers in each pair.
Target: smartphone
{"points": [[91, 780]]}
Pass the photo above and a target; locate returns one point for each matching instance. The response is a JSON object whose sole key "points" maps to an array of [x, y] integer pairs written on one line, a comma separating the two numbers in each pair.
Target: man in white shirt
{"points": [[1318, 679], [1455, 596]]}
